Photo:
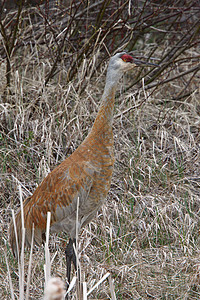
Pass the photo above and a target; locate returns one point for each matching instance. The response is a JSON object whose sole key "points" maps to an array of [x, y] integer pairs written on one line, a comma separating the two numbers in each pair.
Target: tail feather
{"points": [[28, 231]]}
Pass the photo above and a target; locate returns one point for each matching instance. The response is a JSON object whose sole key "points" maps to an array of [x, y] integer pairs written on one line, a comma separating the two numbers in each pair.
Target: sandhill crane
{"points": [[84, 175]]}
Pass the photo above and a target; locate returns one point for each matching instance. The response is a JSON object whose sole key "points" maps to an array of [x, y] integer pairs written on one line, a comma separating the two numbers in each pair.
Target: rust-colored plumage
{"points": [[86, 174]]}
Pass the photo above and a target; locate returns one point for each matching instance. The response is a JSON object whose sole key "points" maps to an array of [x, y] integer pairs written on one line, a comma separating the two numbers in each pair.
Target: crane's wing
{"points": [[58, 193]]}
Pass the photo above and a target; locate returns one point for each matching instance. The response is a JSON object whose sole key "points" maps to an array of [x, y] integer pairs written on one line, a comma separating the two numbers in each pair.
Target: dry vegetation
{"points": [[53, 65]]}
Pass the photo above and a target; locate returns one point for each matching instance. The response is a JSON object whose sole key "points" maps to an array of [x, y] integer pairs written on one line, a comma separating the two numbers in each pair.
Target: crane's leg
{"points": [[70, 257]]}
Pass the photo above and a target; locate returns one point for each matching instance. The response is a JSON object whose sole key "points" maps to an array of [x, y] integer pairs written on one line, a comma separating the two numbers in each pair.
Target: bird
{"points": [[54, 289], [84, 177]]}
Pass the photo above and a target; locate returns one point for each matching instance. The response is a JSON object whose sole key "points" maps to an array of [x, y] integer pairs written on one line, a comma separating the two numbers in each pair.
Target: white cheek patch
{"points": [[128, 66]]}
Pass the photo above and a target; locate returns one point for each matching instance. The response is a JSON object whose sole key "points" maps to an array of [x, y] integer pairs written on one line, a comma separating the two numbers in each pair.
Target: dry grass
{"points": [[147, 233]]}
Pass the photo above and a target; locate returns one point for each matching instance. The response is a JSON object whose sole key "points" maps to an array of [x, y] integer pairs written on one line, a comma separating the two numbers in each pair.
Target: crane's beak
{"points": [[141, 63]]}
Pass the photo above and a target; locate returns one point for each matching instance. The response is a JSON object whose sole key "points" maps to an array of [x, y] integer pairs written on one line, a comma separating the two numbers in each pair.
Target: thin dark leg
{"points": [[70, 257]]}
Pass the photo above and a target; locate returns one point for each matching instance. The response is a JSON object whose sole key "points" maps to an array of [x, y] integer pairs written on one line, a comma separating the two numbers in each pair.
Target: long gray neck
{"points": [[112, 79], [104, 117]]}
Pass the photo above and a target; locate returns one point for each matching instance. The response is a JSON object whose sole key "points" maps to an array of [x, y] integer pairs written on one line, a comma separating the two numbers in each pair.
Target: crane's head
{"points": [[121, 63]]}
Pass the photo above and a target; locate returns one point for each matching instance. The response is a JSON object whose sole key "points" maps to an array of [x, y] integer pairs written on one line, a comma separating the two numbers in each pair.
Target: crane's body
{"points": [[85, 175]]}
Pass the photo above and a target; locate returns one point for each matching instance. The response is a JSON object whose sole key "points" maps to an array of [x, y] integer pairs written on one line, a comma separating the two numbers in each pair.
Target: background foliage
{"points": [[53, 64]]}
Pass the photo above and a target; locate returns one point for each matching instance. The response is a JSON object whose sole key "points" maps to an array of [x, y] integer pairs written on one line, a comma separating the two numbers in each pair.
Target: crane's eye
{"points": [[127, 58]]}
